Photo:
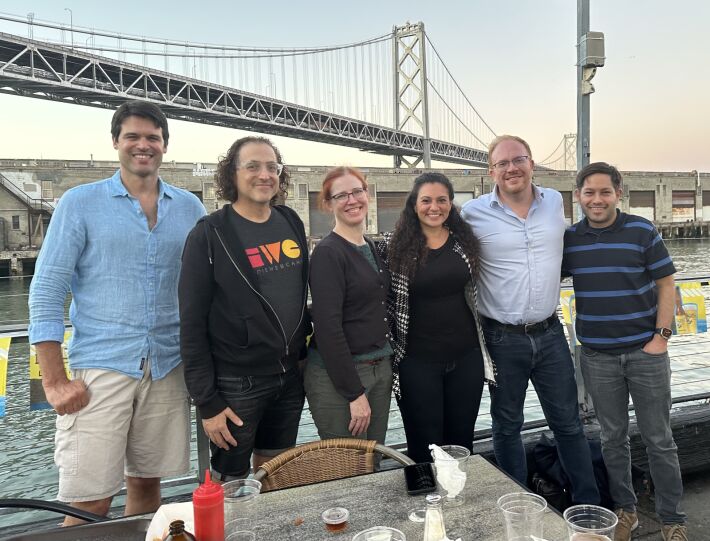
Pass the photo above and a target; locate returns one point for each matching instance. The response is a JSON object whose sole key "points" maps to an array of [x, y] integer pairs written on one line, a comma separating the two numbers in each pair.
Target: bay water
{"points": [[27, 438]]}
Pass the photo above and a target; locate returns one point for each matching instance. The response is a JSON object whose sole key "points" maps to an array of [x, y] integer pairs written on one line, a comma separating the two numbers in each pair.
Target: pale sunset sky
{"points": [[515, 61]]}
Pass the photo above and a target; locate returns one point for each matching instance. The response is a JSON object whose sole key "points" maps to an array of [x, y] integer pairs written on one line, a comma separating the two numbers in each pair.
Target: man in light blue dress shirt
{"points": [[115, 245], [520, 227]]}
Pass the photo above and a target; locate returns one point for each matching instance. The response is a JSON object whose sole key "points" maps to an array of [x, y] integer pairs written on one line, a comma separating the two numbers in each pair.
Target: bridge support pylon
{"points": [[570, 156], [411, 106]]}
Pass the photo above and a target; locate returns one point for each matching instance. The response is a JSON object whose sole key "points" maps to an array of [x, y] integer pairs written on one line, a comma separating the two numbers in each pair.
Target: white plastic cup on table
{"points": [[523, 514], [450, 473], [590, 523], [457, 452], [240, 498], [239, 525], [380, 533]]}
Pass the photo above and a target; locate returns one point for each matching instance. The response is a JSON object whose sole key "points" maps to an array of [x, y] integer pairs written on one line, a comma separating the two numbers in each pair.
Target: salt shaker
{"points": [[434, 529]]}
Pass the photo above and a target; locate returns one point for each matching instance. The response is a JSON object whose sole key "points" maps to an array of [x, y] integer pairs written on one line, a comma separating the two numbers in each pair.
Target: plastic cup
{"points": [[457, 452], [523, 514], [459, 456], [417, 514], [590, 523], [238, 525], [240, 498], [380, 533], [335, 519]]}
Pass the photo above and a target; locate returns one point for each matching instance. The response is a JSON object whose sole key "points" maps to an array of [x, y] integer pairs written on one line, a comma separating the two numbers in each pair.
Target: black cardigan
{"points": [[349, 309]]}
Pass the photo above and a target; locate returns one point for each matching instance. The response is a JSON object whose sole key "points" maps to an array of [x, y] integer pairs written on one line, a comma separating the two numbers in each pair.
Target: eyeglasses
{"points": [[255, 167], [504, 164], [357, 193]]}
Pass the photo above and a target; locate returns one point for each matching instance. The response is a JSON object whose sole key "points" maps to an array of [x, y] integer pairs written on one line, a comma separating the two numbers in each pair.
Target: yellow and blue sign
{"points": [[4, 355], [38, 400], [690, 315], [569, 312]]}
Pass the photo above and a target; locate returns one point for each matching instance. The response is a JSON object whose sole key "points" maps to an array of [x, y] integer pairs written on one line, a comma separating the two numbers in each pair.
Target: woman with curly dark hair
{"points": [[440, 360]]}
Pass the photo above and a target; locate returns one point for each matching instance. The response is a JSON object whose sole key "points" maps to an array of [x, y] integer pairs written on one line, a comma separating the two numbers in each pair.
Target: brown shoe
{"points": [[675, 532], [628, 522]]}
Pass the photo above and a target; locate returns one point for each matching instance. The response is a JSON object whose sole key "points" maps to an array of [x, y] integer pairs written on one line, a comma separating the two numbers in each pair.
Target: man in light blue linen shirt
{"points": [[116, 245], [520, 227]]}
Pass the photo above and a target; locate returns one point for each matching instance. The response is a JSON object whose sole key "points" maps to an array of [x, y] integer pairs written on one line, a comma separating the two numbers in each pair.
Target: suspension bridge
{"points": [[391, 94]]}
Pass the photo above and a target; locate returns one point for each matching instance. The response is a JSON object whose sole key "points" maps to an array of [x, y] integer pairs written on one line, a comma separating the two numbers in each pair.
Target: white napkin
{"points": [[165, 515], [450, 476]]}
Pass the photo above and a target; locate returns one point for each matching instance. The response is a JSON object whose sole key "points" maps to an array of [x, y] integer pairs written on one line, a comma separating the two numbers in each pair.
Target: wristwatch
{"points": [[665, 332]]}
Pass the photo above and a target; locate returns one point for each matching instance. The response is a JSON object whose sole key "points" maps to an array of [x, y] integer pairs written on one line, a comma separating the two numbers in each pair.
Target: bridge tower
{"points": [[411, 108], [570, 155]]}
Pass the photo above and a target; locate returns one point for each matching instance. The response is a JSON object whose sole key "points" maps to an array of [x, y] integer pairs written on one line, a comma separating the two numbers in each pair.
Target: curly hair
{"points": [[227, 169], [408, 250]]}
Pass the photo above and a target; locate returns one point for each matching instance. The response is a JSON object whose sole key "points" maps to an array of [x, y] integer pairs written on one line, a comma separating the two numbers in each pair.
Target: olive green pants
{"points": [[331, 411]]}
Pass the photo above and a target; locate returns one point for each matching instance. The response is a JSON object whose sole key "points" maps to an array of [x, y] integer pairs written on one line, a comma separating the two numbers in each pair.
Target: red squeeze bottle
{"points": [[208, 507]]}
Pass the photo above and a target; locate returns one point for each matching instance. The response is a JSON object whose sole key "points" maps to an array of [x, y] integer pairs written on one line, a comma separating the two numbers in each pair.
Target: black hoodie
{"points": [[227, 327]]}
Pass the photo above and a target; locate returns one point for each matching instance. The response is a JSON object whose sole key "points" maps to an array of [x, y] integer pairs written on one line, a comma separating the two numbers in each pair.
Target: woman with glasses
{"points": [[440, 359], [348, 376]]}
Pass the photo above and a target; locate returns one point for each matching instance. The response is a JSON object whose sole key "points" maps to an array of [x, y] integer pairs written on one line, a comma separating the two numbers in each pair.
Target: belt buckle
{"points": [[529, 327]]}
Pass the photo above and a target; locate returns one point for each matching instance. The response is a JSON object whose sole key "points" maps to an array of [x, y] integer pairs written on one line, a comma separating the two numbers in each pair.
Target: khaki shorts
{"points": [[131, 427]]}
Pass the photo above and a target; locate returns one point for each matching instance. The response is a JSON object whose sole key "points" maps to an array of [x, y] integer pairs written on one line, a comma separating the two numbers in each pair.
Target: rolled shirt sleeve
{"points": [[57, 260]]}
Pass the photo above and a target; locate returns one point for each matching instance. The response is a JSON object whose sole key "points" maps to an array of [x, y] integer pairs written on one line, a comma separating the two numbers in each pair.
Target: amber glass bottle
{"points": [[178, 533]]}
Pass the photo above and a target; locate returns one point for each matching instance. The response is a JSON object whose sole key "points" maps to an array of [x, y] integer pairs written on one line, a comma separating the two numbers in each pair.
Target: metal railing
{"points": [[18, 329]]}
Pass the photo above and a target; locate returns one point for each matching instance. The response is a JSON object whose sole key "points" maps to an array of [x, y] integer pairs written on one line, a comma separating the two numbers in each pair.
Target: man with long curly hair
{"points": [[520, 227], [242, 292]]}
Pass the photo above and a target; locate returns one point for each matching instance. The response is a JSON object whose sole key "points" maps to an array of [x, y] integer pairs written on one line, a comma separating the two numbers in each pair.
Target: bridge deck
{"points": [[40, 70]]}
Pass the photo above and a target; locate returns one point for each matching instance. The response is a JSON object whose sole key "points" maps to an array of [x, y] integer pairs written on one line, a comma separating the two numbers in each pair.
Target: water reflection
{"points": [[690, 256]]}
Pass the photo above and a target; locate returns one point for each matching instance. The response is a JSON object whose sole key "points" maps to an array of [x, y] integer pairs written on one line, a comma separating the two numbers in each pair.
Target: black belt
{"points": [[527, 328]]}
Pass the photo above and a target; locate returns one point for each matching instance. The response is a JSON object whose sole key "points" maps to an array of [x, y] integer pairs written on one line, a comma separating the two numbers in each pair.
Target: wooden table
{"points": [[381, 499]]}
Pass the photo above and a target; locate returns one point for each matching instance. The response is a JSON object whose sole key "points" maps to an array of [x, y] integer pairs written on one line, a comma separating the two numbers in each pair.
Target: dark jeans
{"points": [[270, 407], [439, 401], [544, 358]]}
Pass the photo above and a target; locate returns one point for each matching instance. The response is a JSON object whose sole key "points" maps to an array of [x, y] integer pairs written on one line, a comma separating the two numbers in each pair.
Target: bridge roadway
{"points": [[37, 69]]}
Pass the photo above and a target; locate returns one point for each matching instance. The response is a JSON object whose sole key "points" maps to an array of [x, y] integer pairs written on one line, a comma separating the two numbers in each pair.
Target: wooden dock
{"points": [[684, 230]]}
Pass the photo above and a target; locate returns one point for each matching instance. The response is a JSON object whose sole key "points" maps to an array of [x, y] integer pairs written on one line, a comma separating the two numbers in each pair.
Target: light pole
{"points": [[71, 26], [590, 56]]}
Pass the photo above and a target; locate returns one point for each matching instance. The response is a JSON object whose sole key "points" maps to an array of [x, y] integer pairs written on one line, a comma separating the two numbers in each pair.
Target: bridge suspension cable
{"points": [[347, 79], [277, 51], [454, 109], [564, 157], [358, 81]]}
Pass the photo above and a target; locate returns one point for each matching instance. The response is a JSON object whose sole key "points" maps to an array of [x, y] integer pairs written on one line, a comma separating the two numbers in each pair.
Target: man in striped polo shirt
{"points": [[625, 297]]}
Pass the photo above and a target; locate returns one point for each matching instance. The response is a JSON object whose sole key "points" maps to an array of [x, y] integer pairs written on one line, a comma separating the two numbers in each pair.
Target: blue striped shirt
{"points": [[614, 272]]}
